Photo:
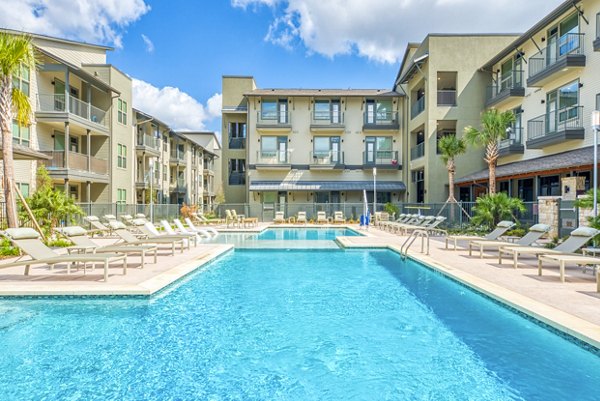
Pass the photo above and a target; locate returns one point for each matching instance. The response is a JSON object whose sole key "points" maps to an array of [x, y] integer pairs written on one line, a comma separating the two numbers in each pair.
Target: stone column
{"points": [[548, 213]]}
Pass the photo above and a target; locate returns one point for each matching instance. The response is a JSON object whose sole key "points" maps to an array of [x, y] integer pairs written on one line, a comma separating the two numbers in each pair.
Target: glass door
{"points": [[370, 117], [335, 112], [59, 95], [370, 151], [282, 146], [551, 107], [282, 110], [552, 49], [335, 149]]}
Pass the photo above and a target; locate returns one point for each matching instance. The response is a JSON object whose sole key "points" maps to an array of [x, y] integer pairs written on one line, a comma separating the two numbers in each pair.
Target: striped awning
{"points": [[326, 186]]}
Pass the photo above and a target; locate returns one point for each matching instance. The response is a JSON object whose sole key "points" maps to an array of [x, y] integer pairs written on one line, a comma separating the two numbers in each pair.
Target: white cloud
{"points": [[148, 43], [380, 29], [98, 21], [178, 109]]}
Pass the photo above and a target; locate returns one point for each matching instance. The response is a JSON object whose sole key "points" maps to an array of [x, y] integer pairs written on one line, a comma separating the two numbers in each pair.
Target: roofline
{"points": [[152, 118], [383, 92], [56, 39], [238, 76], [484, 34], [111, 66], [557, 12], [409, 45]]}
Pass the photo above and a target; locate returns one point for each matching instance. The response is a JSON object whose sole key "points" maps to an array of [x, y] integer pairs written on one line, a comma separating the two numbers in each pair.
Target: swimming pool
{"points": [[290, 325]]}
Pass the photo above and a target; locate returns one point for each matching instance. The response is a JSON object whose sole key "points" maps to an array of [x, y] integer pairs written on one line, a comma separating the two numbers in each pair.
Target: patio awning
{"points": [[326, 186], [25, 153]]}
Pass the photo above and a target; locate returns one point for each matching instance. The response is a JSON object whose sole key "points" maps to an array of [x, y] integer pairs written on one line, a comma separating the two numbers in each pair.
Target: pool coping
{"points": [[145, 288], [564, 322]]}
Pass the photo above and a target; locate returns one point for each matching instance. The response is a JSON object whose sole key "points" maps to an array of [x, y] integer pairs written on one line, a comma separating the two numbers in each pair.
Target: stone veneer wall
{"points": [[548, 213]]}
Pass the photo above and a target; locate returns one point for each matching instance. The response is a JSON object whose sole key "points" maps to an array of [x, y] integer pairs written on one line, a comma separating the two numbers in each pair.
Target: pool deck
{"points": [[572, 307]]}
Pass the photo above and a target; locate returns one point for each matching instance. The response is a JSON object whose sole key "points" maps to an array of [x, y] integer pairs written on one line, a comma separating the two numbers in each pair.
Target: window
{"points": [[164, 171], [326, 149], [21, 80], [274, 149], [378, 150], [549, 186], [327, 111], [121, 196], [564, 102], [122, 111], [418, 176], [24, 188], [121, 156], [237, 135], [598, 101], [237, 172], [274, 110], [20, 134], [165, 143]]}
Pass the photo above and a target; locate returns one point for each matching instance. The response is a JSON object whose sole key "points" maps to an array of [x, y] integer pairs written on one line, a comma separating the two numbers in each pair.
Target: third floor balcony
{"points": [[417, 151], [53, 107], [177, 156], [327, 121], [597, 40], [148, 144], [381, 120], [417, 107], [274, 120], [508, 86], [513, 144], [555, 127], [561, 54], [275, 159]]}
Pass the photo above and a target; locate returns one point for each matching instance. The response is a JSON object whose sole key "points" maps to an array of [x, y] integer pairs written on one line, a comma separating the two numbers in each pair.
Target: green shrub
{"points": [[492, 208], [59, 243], [391, 209], [6, 248], [517, 232]]}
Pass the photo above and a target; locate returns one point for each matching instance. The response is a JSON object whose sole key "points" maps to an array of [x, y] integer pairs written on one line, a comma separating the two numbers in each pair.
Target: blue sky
{"points": [[176, 51]]}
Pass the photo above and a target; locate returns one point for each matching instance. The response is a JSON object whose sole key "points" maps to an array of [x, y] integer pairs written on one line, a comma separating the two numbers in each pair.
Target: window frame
{"points": [[122, 111], [121, 156], [18, 138]]}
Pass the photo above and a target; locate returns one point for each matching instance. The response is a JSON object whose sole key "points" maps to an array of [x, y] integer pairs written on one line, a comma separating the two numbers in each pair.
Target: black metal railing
{"points": [[570, 43], [237, 178], [237, 143], [279, 117], [326, 158], [380, 117], [327, 117], [446, 97], [417, 151], [555, 121], [380, 157], [515, 137], [417, 107], [512, 80]]}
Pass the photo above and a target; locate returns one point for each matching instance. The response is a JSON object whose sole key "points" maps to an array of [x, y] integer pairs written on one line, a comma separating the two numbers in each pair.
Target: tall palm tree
{"points": [[451, 147], [16, 52], [493, 130]]}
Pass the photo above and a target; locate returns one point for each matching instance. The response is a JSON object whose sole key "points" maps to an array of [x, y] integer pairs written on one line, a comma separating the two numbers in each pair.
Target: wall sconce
{"points": [[258, 139], [394, 141], [289, 140], [363, 141], [543, 101], [581, 84], [342, 102], [311, 141], [342, 194], [52, 82], [258, 101], [342, 140], [543, 39], [289, 194]]}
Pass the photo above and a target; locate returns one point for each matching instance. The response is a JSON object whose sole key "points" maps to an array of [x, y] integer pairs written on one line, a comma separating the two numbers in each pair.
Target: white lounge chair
{"points": [[202, 231], [301, 219], [536, 232], [189, 236], [151, 232], [338, 217], [129, 238], [279, 218], [321, 218], [500, 230]]}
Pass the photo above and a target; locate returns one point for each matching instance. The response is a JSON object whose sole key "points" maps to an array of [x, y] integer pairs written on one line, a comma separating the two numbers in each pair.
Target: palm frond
{"points": [[21, 107]]}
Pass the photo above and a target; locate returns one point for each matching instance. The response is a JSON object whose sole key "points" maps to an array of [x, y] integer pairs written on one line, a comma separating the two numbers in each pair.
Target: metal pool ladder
{"points": [[423, 234]]}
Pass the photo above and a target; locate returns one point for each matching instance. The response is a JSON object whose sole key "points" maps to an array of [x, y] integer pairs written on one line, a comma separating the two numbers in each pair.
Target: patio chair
{"points": [[338, 217], [205, 230], [536, 232], [321, 218], [402, 218], [200, 218], [421, 221], [500, 230], [129, 238], [152, 232], [430, 226], [97, 225], [83, 243], [110, 217], [230, 220], [126, 218], [301, 219], [185, 234], [28, 240], [141, 216], [189, 229], [563, 259], [279, 218], [576, 240]]}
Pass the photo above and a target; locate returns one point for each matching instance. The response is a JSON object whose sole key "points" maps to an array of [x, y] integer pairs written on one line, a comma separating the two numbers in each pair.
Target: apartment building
{"points": [[82, 122], [550, 78], [311, 146], [176, 167], [445, 91]]}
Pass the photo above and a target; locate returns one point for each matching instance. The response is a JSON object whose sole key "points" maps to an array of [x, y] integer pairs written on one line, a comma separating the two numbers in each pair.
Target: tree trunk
{"points": [[493, 177], [491, 157], [451, 199], [6, 117]]}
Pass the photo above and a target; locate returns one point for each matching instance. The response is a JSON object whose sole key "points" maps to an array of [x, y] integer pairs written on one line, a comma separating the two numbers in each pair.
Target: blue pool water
{"points": [[289, 238], [290, 325], [306, 234]]}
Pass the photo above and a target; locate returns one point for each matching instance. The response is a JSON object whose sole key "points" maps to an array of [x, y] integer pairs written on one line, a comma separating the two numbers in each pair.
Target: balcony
{"points": [[418, 151], [178, 185], [555, 127], [381, 120], [177, 157], [597, 40], [512, 145], [568, 52], [509, 87], [382, 159], [143, 181], [237, 178], [51, 108], [237, 143], [148, 144], [327, 121], [274, 160], [446, 98], [417, 107], [273, 121], [326, 160], [79, 166]]}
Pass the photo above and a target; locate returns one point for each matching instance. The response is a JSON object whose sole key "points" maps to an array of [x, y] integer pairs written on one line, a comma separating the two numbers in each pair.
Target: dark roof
{"points": [[557, 12], [323, 92], [571, 159], [326, 186]]}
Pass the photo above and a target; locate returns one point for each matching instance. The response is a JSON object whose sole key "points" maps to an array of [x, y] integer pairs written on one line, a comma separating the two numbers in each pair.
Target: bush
{"points": [[187, 211], [517, 232], [6, 248], [491, 209], [59, 243], [391, 209]]}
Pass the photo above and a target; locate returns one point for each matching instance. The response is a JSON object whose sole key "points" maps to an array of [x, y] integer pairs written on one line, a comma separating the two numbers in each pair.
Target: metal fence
{"points": [[159, 211]]}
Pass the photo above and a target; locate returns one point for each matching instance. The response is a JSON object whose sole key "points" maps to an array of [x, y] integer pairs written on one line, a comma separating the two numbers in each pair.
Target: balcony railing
{"points": [[446, 97], [507, 83], [323, 158], [327, 118], [237, 178], [237, 143], [177, 155], [417, 151], [381, 118], [555, 121], [568, 44], [144, 180], [58, 103], [77, 161], [276, 118], [149, 141], [417, 107], [381, 157], [276, 157]]}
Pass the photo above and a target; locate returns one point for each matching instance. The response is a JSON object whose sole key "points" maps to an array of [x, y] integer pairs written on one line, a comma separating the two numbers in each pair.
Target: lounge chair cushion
{"points": [[110, 217], [505, 224], [138, 222], [92, 218], [440, 218], [74, 231], [117, 225], [140, 216], [22, 233], [542, 228], [585, 232]]}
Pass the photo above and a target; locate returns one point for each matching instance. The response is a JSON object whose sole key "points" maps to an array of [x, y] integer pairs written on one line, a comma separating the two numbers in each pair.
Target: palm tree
{"points": [[493, 130], [492, 208], [451, 146], [16, 52]]}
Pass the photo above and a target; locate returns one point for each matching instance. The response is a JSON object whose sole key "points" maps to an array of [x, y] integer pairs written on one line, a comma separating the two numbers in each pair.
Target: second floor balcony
{"points": [[446, 97], [148, 144], [417, 151], [559, 56], [555, 127], [326, 159], [417, 107], [508, 86], [383, 159], [144, 181], [327, 121], [178, 185], [54, 107], [276, 159], [177, 156], [513, 144], [66, 164], [381, 120]]}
